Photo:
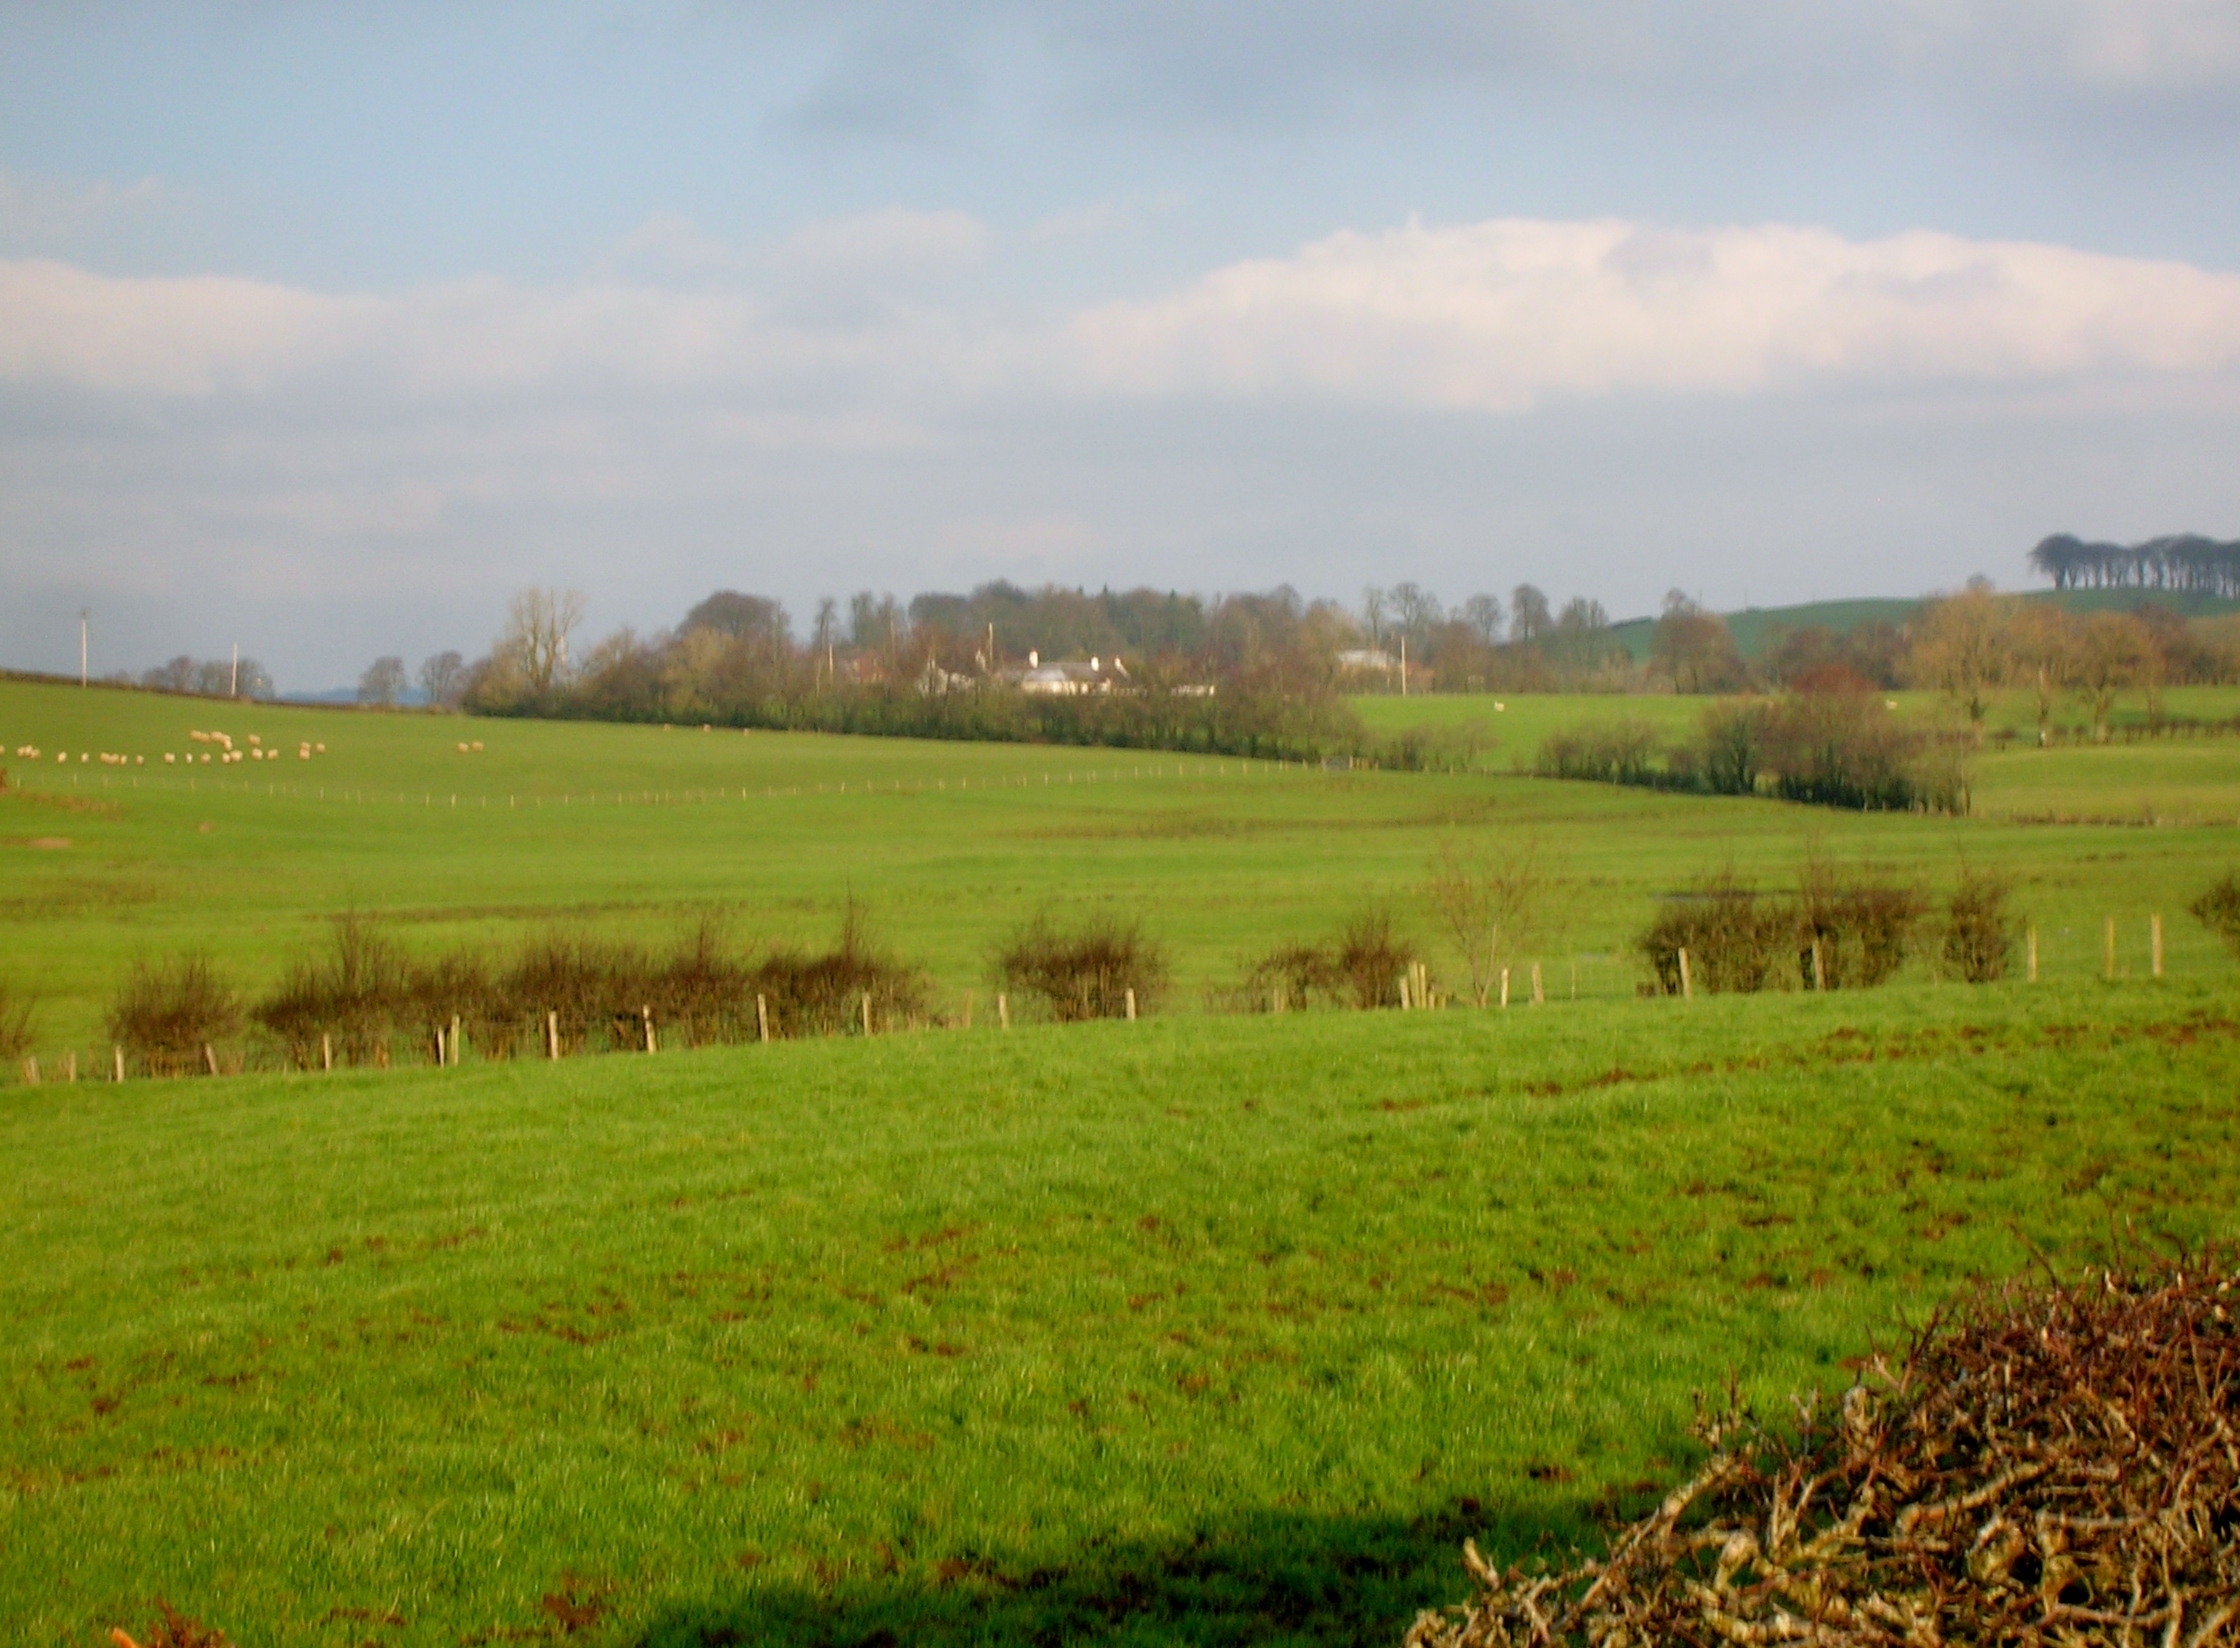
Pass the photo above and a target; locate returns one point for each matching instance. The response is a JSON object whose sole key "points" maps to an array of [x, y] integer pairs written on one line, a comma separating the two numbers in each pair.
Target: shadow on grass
{"points": [[1270, 1579]]}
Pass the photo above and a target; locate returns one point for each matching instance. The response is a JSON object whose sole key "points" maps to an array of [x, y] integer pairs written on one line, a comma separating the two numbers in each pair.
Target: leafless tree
{"points": [[443, 677], [383, 682], [535, 642], [1491, 901]]}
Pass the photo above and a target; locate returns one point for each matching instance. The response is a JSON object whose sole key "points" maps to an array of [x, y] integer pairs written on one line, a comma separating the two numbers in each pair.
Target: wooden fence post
{"points": [[2109, 948], [552, 1032], [210, 1058], [454, 1038], [120, 1062], [1504, 986], [1003, 1010], [867, 1012], [1538, 995], [761, 1017], [326, 1050], [2154, 935], [1687, 983], [1819, 968], [2030, 954], [70, 1066], [1131, 1004], [31, 1070]]}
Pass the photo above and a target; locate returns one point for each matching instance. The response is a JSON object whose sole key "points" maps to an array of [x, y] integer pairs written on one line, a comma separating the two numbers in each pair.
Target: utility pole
{"points": [[1403, 664], [233, 681], [85, 616]]}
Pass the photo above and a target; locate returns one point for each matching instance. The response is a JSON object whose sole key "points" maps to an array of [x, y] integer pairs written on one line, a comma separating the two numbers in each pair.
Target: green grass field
{"points": [[633, 830], [1204, 1329], [1221, 1330]]}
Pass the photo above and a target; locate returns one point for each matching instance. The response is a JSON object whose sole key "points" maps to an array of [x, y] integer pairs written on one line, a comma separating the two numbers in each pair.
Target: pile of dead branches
{"points": [[2048, 1464]]}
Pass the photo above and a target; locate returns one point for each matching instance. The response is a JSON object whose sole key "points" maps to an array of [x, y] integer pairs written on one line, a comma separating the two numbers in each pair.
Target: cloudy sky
{"points": [[323, 327]]}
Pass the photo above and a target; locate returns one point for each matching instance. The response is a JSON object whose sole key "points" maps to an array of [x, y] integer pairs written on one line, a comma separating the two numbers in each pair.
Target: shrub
{"points": [[1864, 926], [1371, 958], [1731, 747], [1358, 967], [170, 1011], [1845, 749], [352, 997], [1302, 975], [586, 983], [1607, 752], [1736, 938], [2218, 909], [822, 994], [1085, 974], [1979, 934]]}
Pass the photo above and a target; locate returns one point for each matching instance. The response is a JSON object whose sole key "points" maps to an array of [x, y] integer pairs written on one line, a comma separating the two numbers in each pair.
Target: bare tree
{"points": [[1529, 618], [383, 682], [1483, 614], [2111, 654], [443, 677], [1963, 648], [1490, 903], [535, 642]]}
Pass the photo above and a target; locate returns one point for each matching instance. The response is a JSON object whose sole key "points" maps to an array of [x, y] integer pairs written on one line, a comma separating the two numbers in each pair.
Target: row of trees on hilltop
{"points": [[1254, 674], [2186, 561]]}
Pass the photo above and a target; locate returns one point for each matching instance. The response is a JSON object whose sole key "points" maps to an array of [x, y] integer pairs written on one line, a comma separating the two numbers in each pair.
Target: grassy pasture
{"points": [[1203, 1330], [631, 830]]}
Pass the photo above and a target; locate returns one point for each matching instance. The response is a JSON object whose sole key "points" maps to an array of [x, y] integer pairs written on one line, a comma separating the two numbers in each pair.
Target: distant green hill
{"points": [[1758, 629]]}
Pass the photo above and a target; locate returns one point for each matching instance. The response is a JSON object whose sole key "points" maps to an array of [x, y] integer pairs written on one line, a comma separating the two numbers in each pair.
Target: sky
{"points": [[325, 327]]}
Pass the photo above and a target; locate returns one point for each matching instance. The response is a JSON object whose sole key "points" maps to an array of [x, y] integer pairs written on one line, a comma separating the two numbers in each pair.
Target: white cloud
{"points": [[1496, 316], [1499, 316]]}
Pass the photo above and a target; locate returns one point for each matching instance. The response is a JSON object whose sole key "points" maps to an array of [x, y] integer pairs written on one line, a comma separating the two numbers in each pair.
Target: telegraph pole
{"points": [[233, 681], [85, 616]]}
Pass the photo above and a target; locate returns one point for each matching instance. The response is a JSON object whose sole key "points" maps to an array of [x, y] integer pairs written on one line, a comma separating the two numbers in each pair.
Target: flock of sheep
{"points": [[226, 756]]}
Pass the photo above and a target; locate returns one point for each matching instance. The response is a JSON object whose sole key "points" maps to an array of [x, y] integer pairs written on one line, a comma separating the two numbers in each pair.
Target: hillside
{"points": [[1196, 1332]]}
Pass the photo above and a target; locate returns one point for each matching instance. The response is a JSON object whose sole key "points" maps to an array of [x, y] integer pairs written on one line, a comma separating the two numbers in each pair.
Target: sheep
{"points": [[320, 748], [478, 746], [168, 758]]}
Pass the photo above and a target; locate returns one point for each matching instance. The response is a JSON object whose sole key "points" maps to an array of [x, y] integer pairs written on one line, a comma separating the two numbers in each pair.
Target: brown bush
{"points": [[1358, 967], [1865, 924], [352, 997], [821, 993], [1979, 934], [1737, 939], [2046, 1466], [2218, 909], [1086, 973], [170, 1011]]}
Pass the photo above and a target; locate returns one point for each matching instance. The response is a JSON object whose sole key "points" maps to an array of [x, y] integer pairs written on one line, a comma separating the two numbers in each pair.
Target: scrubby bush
{"points": [[1359, 967], [1864, 924], [1737, 938], [2218, 909], [1086, 973], [1979, 933], [170, 1011], [351, 997], [820, 993], [1606, 752]]}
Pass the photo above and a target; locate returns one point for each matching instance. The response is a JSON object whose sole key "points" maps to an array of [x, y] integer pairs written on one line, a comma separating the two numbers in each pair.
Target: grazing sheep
{"points": [[478, 746], [168, 758]]}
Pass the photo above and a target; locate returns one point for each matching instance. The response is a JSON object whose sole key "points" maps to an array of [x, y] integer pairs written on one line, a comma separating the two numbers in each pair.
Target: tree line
{"points": [[2186, 561]]}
